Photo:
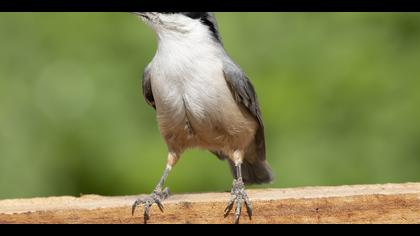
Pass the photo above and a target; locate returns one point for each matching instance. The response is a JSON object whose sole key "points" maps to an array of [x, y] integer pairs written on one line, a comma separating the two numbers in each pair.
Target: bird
{"points": [[204, 100]]}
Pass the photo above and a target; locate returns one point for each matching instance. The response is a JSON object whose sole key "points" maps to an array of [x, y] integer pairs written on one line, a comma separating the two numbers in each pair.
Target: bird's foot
{"points": [[239, 197], [157, 196]]}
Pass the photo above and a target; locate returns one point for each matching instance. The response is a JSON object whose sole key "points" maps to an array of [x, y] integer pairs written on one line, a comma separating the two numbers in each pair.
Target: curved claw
{"points": [[229, 207], [156, 197], [146, 213], [248, 205], [159, 204], [135, 205], [238, 210]]}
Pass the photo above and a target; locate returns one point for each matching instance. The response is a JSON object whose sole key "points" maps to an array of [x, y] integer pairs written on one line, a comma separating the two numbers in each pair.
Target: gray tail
{"points": [[258, 172]]}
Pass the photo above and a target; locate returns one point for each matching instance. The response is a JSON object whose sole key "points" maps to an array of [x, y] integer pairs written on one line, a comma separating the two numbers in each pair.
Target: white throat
{"points": [[190, 39]]}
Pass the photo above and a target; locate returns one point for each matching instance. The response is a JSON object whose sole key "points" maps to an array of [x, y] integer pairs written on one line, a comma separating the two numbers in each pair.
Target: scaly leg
{"points": [[239, 195], [158, 195]]}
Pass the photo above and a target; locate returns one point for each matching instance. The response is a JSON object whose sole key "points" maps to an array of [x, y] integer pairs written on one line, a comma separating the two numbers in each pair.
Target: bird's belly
{"points": [[201, 112]]}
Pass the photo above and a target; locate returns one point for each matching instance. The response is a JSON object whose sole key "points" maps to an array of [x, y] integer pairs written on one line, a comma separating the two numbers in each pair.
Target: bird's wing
{"points": [[244, 94], [147, 88]]}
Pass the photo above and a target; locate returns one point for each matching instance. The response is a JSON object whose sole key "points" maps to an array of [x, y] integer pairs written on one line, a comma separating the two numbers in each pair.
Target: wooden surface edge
{"points": [[386, 203]]}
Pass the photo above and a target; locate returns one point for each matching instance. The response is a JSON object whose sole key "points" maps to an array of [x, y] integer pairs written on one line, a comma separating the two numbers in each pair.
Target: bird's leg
{"points": [[158, 195], [239, 195]]}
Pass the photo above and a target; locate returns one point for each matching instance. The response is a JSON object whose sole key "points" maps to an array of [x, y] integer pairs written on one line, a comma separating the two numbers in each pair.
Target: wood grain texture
{"points": [[389, 203]]}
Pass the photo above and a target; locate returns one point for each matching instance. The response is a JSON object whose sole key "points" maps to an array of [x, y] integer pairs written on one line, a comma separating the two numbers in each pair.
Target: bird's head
{"points": [[181, 23]]}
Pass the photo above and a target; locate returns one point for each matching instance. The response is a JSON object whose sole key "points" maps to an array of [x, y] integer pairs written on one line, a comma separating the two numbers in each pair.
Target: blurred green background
{"points": [[340, 95]]}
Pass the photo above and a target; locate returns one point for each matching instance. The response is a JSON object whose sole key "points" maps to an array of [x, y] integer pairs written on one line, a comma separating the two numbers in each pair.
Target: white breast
{"points": [[189, 76], [194, 104]]}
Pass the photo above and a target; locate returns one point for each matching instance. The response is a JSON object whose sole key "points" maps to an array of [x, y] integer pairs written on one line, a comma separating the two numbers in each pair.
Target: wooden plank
{"points": [[388, 203]]}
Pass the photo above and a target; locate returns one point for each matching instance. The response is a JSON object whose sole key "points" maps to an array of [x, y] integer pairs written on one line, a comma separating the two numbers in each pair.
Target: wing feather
{"points": [[244, 93], [147, 88]]}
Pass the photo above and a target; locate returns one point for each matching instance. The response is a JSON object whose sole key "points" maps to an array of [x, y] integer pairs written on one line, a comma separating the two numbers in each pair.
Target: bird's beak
{"points": [[138, 13], [143, 15]]}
